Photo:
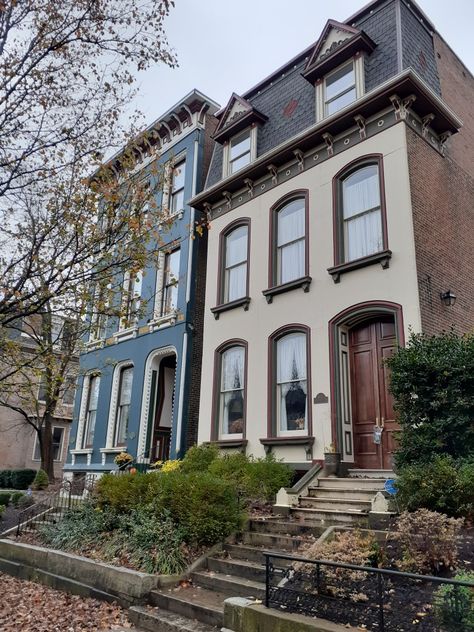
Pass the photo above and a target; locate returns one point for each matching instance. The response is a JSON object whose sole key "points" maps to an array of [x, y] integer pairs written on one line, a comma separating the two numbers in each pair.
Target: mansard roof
{"points": [[238, 114], [336, 43]]}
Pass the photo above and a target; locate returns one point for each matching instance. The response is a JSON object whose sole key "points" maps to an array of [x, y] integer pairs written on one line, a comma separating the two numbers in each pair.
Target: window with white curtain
{"points": [[170, 282], [123, 405], [91, 411], [235, 265], [177, 187], [340, 89], [291, 384], [232, 392], [290, 242], [362, 213], [132, 290], [240, 151]]}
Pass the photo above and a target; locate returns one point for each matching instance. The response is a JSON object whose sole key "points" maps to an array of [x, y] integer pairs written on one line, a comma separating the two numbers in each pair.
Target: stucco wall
{"points": [[325, 299]]}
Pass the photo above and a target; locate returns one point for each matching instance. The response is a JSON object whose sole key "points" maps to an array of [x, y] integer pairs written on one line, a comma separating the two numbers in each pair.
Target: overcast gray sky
{"points": [[225, 46]]}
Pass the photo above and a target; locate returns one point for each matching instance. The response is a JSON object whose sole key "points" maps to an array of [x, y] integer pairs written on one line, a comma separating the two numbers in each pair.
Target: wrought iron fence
{"points": [[52, 507], [378, 600]]}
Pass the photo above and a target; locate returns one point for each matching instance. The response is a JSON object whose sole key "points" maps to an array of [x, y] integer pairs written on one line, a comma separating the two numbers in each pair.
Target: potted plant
{"points": [[123, 460], [332, 460]]}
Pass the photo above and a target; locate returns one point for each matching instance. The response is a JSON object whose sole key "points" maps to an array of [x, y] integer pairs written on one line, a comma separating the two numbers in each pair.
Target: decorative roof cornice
{"points": [[399, 92]]}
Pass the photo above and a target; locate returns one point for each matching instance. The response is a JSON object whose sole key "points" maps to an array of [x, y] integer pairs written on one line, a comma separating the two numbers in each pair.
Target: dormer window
{"points": [[339, 89], [239, 151]]}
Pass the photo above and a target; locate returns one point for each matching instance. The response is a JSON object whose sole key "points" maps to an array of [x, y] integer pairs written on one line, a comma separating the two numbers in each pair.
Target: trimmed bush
{"points": [[2, 509], [5, 498], [41, 480], [5, 478], [124, 492], [16, 497], [199, 458], [454, 605], [25, 501], [444, 485], [432, 380], [22, 479]]}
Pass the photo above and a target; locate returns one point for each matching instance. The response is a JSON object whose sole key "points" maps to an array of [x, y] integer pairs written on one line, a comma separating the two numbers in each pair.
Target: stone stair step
{"points": [[355, 493], [229, 585], [155, 619], [193, 602], [288, 543], [365, 474], [337, 504], [238, 568], [249, 553], [284, 527], [351, 483], [331, 516]]}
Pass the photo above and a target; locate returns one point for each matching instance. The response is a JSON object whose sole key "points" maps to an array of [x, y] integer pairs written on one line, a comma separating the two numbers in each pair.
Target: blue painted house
{"points": [[140, 377]]}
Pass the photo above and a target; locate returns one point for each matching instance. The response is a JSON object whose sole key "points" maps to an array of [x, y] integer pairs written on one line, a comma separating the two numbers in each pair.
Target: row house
{"points": [[340, 197], [139, 385]]}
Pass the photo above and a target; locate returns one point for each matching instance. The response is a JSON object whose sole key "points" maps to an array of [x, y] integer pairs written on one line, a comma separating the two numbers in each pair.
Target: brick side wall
{"points": [[443, 215], [457, 90], [197, 339]]}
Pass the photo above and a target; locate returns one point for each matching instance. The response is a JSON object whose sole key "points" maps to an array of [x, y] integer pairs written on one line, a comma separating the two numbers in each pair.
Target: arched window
{"points": [[233, 274], [361, 229], [231, 391], [290, 382]]}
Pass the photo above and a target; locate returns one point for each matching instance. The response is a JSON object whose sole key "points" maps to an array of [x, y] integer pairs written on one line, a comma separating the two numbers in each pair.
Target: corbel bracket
{"points": [[401, 105], [425, 123], [228, 198], [300, 158], [329, 140], [360, 120], [273, 169], [250, 185]]}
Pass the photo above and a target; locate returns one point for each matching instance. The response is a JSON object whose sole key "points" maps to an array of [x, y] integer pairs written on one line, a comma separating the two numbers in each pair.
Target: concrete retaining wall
{"points": [[76, 574], [243, 615]]}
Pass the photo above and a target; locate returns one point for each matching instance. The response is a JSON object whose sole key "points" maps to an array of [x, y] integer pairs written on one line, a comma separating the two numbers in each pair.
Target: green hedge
{"points": [[16, 479], [5, 498]]}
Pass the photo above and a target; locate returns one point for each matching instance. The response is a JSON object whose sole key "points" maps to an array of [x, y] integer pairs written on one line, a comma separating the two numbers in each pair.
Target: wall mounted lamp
{"points": [[448, 298]]}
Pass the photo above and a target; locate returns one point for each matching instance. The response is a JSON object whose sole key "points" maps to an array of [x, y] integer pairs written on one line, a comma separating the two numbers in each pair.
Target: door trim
{"points": [[350, 317]]}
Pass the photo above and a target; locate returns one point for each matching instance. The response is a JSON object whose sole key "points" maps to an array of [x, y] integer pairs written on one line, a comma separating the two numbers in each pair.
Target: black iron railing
{"points": [[53, 506], [379, 600]]}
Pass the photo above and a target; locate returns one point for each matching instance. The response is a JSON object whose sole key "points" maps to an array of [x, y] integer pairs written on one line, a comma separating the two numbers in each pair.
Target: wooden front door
{"points": [[372, 404]]}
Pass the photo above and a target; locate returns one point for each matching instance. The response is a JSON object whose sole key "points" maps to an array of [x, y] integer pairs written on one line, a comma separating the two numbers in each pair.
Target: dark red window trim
{"points": [[305, 281], [291, 328], [383, 257], [216, 390], [243, 301]]}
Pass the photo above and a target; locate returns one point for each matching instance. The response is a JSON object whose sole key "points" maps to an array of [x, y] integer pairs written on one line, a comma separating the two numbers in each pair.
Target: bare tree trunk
{"points": [[46, 445]]}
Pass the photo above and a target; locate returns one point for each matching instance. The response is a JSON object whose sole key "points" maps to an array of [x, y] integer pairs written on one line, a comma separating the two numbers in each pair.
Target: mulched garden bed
{"points": [[352, 597]]}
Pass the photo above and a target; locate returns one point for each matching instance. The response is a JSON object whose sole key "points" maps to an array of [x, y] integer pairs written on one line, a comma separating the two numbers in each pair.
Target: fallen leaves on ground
{"points": [[31, 607]]}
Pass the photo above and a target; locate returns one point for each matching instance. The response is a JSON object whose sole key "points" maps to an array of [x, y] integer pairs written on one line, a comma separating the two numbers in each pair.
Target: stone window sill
{"points": [[380, 257], [231, 443], [306, 441], [82, 451], [304, 283], [113, 450], [224, 307]]}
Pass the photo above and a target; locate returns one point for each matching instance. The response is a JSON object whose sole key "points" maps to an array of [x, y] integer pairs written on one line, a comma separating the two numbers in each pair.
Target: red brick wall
{"points": [[443, 214], [457, 90]]}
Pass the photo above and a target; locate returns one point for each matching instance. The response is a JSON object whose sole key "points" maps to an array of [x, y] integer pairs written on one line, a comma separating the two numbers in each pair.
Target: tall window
{"points": [[69, 390], [235, 264], [232, 392], [170, 282], [43, 388], [340, 89], [132, 289], [91, 411], [290, 242], [123, 405], [177, 187], [291, 397], [239, 151], [362, 230], [56, 444]]}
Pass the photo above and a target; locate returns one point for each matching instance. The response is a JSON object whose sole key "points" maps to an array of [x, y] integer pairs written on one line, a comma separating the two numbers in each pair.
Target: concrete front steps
{"points": [[347, 501], [238, 571]]}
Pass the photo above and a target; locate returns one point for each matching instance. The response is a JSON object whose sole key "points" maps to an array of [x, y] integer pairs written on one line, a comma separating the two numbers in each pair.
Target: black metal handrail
{"points": [[301, 589]]}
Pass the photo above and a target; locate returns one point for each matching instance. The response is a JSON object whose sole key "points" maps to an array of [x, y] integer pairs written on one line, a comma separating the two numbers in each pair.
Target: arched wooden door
{"points": [[372, 406]]}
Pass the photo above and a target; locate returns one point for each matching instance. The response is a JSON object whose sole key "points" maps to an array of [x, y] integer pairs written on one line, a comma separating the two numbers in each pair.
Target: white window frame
{"points": [[158, 314], [168, 184], [61, 445], [81, 426], [228, 268], [110, 440], [99, 322], [226, 170], [359, 77], [73, 383], [131, 299]]}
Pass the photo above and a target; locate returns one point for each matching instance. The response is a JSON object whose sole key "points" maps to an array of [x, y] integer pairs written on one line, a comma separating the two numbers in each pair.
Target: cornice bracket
{"points": [[425, 123], [443, 138], [228, 197], [401, 105], [360, 120], [273, 169], [250, 186], [329, 140], [300, 158]]}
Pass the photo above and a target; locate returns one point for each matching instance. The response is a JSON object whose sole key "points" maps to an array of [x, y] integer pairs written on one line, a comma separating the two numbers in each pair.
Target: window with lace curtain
{"points": [[361, 230], [289, 237], [291, 385], [231, 392]]}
